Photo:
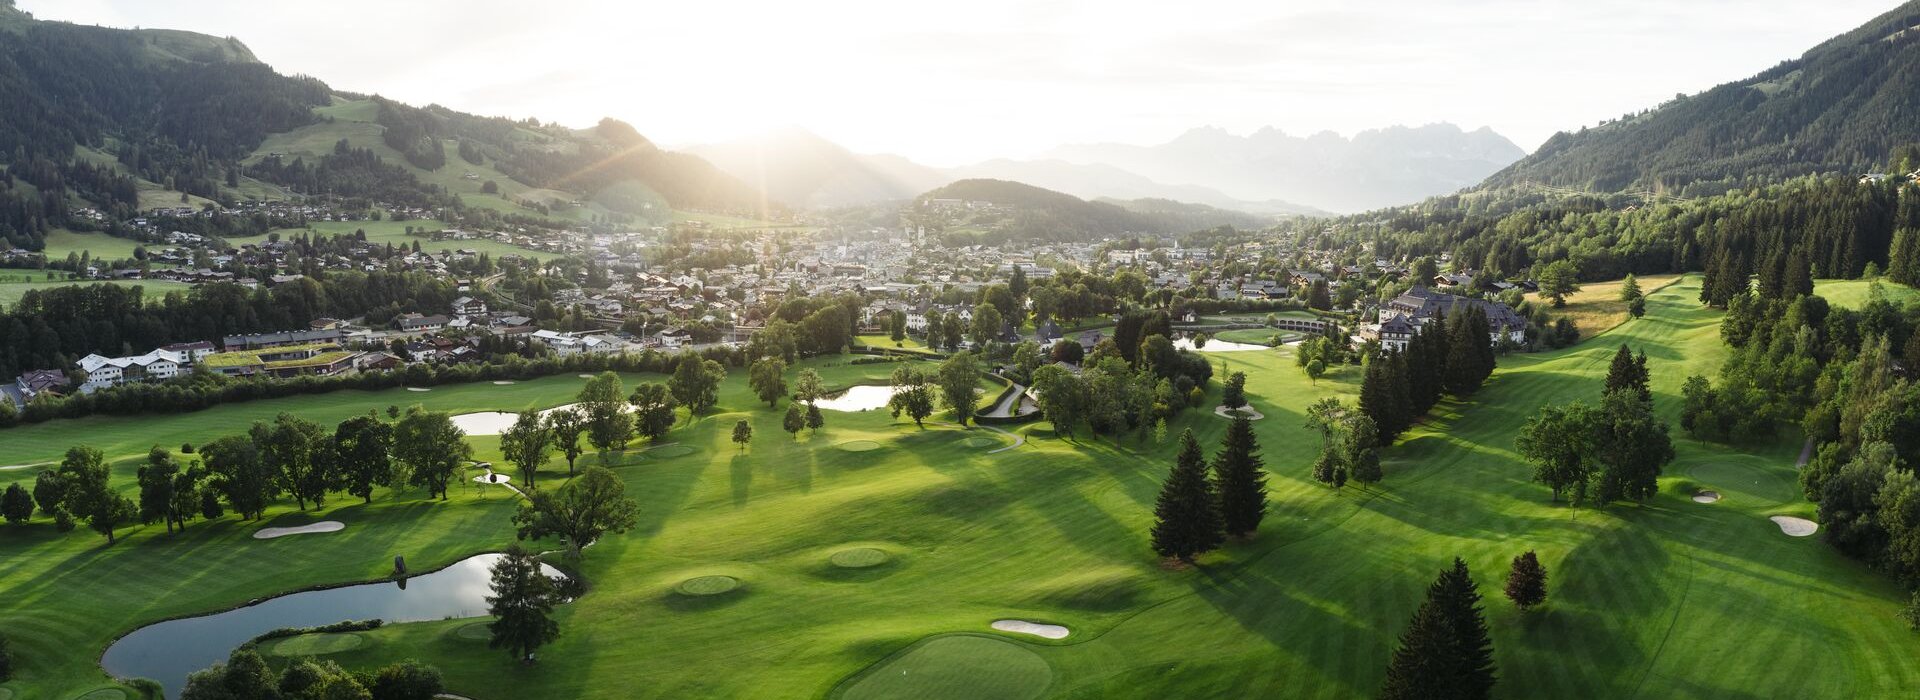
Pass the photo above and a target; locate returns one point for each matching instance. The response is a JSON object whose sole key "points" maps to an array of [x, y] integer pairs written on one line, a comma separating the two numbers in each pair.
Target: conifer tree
{"points": [[1527, 581], [1187, 514], [1445, 653], [1237, 475], [1470, 358], [1363, 450], [1630, 373]]}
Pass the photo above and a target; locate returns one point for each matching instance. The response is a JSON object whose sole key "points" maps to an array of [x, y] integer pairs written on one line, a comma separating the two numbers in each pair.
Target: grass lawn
{"points": [[1665, 599], [886, 341], [61, 242], [1597, 306], [395, 232], [1853, 294], [11, 289], [1256, 336]]}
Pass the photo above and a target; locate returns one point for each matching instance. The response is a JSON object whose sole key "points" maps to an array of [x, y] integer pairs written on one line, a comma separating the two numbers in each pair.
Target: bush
{"points": [[148, 688]]}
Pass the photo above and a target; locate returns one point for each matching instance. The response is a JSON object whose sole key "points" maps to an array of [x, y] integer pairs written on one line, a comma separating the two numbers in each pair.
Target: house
{"points": [[258, 341], [161, 364], [33, 384], [1453, 280], [317, 359], [194, 352], [469, 306], [416, 323], [1420, 306]]}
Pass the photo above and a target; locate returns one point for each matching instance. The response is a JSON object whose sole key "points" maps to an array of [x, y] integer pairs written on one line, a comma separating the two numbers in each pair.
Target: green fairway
{"points": [[314, 644], [1853, 294], [1669, 598]]}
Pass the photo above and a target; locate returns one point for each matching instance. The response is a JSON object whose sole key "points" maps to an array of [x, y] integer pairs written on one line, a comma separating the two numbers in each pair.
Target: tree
{"points": [[768, 379], [239, 475], [897, 326], [299, 453], [1385, 396], [1630, 289], [1362, 449], [579, 512], [407, 680], [958, 376], [1445, 653], [1558, 280], [1470, 357], [566, 425], [432, 446], [1233, 393], [1238, 477], [1527, 581], [1629, 373], [1316, 368], [696, 382], [815, 421], [522, 604], [912, 394], [1026, 359], [244, 675], [1631, 445], [742, 433], [528, 443], [157, 480], [603, 408], [16, 505], [363, 455], [795, 420], [808, 387], [48, 491], [653, 407], [1062, 396], [89, 496], [1559, 442], [986, 325], [1186, 517]]}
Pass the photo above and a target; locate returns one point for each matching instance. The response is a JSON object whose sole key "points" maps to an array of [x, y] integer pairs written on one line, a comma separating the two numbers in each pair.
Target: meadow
{"points": [[12, 287], [1669, 598], [395, 232]]}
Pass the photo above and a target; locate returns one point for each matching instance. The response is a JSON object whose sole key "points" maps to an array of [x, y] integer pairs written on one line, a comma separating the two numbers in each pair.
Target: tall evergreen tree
{"points": [[1386, 397], [1238, 477], [1628, 372], [1445, 653], [1470, 358], [1187, 515]]}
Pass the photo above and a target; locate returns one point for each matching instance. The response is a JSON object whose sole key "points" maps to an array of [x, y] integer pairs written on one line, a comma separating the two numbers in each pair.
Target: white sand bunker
{"points": [[1706, 496], [1795, 527], [1034, 628], [1248, 411], [492, 478], [416, 388], [587, 376], [503, 382], [268, 533]]}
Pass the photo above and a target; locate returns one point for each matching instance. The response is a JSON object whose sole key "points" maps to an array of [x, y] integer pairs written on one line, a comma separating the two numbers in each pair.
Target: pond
{"points": [[1217, 345], [859, 398], [494, 422], [168, 651]]}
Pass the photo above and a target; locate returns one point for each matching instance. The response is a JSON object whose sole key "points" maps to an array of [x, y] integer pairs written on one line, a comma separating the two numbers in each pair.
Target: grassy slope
{"points": [[395, 232], [1669, 599], [11, 291], [1597, 306], [101, 246], [1853, 294]]}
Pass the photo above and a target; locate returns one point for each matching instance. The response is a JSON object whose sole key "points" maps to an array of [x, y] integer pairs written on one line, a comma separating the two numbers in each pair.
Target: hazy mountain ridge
{"points": [[1843, 106], [1022, 211]]}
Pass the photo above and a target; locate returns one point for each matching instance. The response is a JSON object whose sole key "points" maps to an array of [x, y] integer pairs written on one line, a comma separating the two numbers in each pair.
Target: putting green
{"points": [[981, 442], [474, 632], [859, 446], [707, 585], [1734, 478], [859, 558], [956, 666], [102, 694], [316, 644], [669, 451]]}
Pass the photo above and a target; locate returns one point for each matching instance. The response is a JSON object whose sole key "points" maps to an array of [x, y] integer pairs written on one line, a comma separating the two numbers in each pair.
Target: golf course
{"points": [[877, 559]]}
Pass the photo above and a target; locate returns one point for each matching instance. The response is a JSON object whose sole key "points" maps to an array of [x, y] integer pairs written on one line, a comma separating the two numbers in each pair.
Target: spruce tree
{"points": [[1385, 395], [1470, 355], [1527, 581], [1237, 475], [1187, 514], [1445, 653], [1628, 372]]}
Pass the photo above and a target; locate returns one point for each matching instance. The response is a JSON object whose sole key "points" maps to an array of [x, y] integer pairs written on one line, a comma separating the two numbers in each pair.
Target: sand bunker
{"points": [[1795, 527], [504, 382], [268, 533], [586, 376], [1251, 414], [492, 478], [1706, 496], [416, 388], [496, 422], [859, 398], [1034, 628]]}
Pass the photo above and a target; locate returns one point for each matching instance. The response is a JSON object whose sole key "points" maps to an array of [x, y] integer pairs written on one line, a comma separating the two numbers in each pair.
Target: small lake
{"points": [[168, 651], [1217, 345], [859, 398]]}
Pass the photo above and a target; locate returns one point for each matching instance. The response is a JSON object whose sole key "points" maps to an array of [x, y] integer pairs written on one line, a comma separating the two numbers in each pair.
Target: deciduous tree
{"points": [[1527, 581], [580, 512]]}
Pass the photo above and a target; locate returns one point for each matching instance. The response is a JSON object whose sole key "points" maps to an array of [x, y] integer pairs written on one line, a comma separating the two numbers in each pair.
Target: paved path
{"points": [[1018, 439], [1005, 408]]}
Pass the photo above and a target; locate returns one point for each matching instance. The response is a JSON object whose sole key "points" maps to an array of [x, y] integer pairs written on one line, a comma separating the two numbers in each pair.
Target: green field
{"points": [[1664, 599], [11, 289], [395, 232], [61, 242], [1853, 294]]}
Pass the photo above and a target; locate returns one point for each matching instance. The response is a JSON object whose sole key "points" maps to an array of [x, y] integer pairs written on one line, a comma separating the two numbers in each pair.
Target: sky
{"points": [[955, 83]]}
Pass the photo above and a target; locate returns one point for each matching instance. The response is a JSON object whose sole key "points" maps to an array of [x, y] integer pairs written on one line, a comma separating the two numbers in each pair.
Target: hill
{"points": [[1000, 210], [801, 169], [1844, 106], [1375, 168], [1098, 181]]}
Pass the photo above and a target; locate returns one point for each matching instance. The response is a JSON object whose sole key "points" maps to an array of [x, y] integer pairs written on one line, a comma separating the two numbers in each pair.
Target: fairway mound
{"points": [[504, 382], [1795, 527], [704, 586], [418, 388], [1706, 497], [955, 666], [316, 644], [1096, 588], [669, 451], [1248, 411], [858, 446], [1034, 628], [267, 533], [980, 442], [476, 632], [859, 558]]}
